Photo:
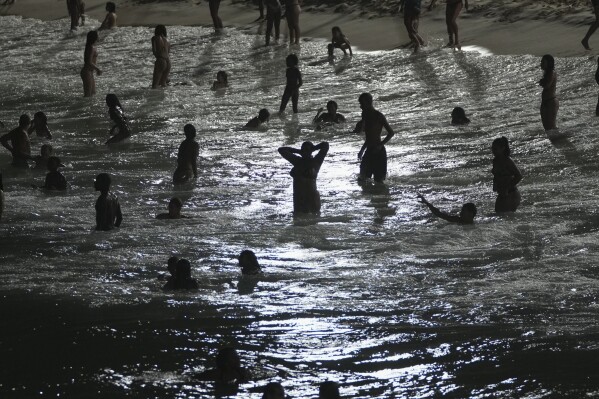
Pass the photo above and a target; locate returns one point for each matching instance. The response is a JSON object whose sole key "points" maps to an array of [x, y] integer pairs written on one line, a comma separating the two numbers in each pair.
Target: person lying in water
{"points": [[257, 121], [466, 215], [329, 117], [174, 210]]}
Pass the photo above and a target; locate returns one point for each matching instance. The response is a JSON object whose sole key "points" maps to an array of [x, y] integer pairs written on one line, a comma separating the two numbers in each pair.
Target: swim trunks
{"points": [[374, 163]]}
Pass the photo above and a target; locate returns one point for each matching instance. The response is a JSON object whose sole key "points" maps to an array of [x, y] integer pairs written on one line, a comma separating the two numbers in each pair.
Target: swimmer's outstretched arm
{"points": [[437, 212], [316, 118]]}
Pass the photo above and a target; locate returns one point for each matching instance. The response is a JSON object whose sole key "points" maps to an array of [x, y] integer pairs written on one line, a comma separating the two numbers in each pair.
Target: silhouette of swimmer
{"points": [[549, 102], [20, 146], [172, 271], [161, 49], [221, 82], [329, 390], [505, 177], [40, 126], [182, 279], [329, 117], [373, 155], [228, 369], [306, 198], [593, 27], [174, 210], [1, 197], [294, 82], [452, 11], [458, 116], [339, 41], [273, 19], [110, 19], [411, 19], [249, 263], [108, 209], [115, 111], [54, 179], [41, 161], [187, 156], [257, 121], [273, 390], [466, 216], [90, 57]]}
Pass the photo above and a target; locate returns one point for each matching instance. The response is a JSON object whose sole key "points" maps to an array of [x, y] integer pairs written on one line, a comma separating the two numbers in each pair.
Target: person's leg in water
{"points": [[160, 67], [285, 99], [261, 9], [409, 21], [592, 29], [214, 5], [89, 84], [296, 26], [451, 19], [165, 74], [294, 100], [549, 110], [277, 19], [82, 12], [289, 16], [270, 21]]}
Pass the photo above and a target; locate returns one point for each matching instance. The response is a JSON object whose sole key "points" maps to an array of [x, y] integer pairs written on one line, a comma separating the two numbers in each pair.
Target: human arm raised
{"points": [[289, 154], [437, 212]]}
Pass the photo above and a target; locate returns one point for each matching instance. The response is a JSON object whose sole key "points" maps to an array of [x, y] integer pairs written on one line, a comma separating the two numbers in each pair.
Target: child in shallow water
{"points": [[294, 82], [115, 111], [339, 41], [221, 82]]}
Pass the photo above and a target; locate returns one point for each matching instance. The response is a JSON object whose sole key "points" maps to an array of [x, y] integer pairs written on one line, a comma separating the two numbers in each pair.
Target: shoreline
{"points": [[535, 29]]}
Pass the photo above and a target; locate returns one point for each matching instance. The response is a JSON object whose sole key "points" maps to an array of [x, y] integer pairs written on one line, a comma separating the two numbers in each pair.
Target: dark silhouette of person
{"points": [[41, 161], [171, 267], [458, 116], [108, 208], [273, 19], [597, 80], [452, 11], [19, 146], [506, 176], [329, 117], [294, 82], [182, 279], [187, 156], [257, 121], [549, 102], [90, 58], [306, 198], [249, 263], [273, 390], [329, 390], [214, 5], [116, 113], [54, 179], [593, 27], [339, 41], [174, 210], [466, 216], [411, 18], [39, 125], [228, 369]]}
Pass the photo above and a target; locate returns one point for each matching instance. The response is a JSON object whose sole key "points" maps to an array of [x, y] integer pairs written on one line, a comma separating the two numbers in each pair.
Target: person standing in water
{"points": [[292, 13], [452, 11], [76, 10], [593, 27], [213, 5], [373, 155], [115, 111], [90, 56], [108, 209], [110, 19], [273, 19], [187, 156], [411, 17], [306, 198], [161, 49], [20, 146], [549, 103], [294, 82], [506, 176]]}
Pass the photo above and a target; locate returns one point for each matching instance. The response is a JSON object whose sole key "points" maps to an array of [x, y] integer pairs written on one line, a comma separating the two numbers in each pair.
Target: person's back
{"points": [[19, 146], [187, 156], [108, 209], [54, 179]]}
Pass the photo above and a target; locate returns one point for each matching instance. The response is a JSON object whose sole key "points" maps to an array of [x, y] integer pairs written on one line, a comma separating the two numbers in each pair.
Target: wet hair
{"points": [[248, 260], [263, 114], [224, 76], [365, 97], [338, 29], [189, 130], [46, 148], [550, 67], [227, 358], [503, 142], [291, 60], [458, 116], [176, 201], [470, 207], [183, 269], [113, 101], [172, 265], [306, 145], [103, 181], [110, 7], [41, 116], [24, 120], [92, 37], [332, 102], [328, 390], [160, 30], [273, 388]]}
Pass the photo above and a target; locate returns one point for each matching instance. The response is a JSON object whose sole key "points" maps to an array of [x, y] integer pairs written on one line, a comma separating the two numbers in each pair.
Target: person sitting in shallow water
{"points": [[221, 82], [110, 19], [54, 179], [458, 116], [228, 369], [249, 263], [39, 125], [466, 216], [339, 41], [187, 156], [115, 111], [257, 121], [174, 210], [329, 117], [108, 208], [182, 279], [41, 161]]}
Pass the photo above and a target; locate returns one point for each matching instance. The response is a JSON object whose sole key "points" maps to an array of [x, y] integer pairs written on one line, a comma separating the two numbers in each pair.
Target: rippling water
{"points": [[375, 293]]}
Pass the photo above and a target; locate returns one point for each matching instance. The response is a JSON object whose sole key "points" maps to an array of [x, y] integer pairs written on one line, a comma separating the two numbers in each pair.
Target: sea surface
{"points": [[375, 293]]}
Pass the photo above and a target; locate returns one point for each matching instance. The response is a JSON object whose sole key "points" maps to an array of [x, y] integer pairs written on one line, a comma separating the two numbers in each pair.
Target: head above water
{"points": [[273, 390], [113, 101], [110, 7], [336, 31], [222, 77], [160, 30], [332, 107], [40, 118], [365, 100], [468, 212], [46, 150], [102, 182], [227, 359], [183, 269], [292, 60], [24, 121], [174, 207], [501, 147], [328, 390], [264, 115], [248, 261], [92, 37], [190, 131], [458, 116], [172, 265], [548, 63], [306, 149]]}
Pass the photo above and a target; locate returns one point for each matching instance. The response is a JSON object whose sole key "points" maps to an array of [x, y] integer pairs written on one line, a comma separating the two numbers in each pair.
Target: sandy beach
{"points": [[503, 27]]}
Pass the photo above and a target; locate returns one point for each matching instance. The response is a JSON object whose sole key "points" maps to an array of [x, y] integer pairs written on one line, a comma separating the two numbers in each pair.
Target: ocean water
{"points": [[376, 293]]}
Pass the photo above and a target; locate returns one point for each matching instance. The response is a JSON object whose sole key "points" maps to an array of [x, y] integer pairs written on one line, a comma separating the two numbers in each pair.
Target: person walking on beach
{"points": [[549, 102], [506, 176], [411, 17], [187, 156], [76, 10], [593, 27], [108, 209], [294, 82], [452, 11], [161, 49], [306, 198], [115, 111], [90, 56], [292, 13], [213, 5], [273, 19], [373, 155], [19, 146], [110, 19]]}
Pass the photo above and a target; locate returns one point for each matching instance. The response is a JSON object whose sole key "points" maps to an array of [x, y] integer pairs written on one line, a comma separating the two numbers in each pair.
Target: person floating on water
{"points": [[306, 198], [257, 121], [549, 102], [90, 57], [41, 161], [228, 369], [329, 117], [110, 19], [593, 27], [274, 390], [108, 209], [249, 263], [213, 5], [161, 49], [187, 156], [19, 146], [292, 13], [411, 19], [506, 176], [273, 19], [328, 390], [55, 181], [39, 125], [339, 41], [294, 82], [458, 116], [466, 216], [373, 155], [115, 111], [452, 11], [221, 82], [174, 210]]}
